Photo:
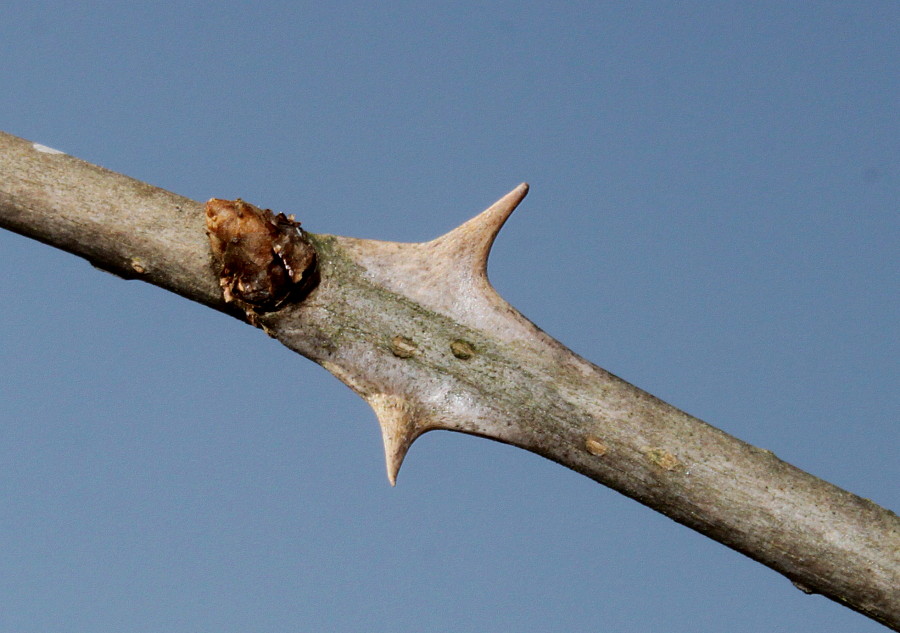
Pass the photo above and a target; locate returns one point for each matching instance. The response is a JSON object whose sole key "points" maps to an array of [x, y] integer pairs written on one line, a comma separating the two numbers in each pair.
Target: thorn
{"points": [[448, 274], [470, 243], [398, 429]]}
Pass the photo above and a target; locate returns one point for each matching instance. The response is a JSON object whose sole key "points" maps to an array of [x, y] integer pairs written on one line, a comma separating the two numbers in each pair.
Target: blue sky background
{"points": [[713, 217]]}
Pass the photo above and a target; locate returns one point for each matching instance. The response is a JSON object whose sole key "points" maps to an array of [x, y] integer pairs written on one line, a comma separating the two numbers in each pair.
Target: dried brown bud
{"points": [[263, 258]]}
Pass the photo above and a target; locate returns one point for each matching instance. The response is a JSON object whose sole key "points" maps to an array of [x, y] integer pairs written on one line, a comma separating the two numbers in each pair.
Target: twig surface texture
{"points": [[420, 334]]}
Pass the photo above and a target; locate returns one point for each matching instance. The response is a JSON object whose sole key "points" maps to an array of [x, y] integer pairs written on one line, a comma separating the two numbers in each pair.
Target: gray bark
{"points": [[417, 331]]}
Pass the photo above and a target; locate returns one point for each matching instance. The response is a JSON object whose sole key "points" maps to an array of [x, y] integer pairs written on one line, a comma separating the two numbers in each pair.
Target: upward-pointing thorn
{"points": [[470, 243], [449, 274]]}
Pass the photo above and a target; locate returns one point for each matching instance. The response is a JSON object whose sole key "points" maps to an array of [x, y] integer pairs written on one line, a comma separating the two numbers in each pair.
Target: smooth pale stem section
{"points": [[463, 254]]}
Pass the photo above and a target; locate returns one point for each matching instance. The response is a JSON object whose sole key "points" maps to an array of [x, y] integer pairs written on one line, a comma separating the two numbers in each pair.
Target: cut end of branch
{"points": [[263, 258]]}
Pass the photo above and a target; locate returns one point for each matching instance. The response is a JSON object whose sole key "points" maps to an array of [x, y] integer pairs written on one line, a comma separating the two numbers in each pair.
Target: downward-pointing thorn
{"points": [[398, 429]]}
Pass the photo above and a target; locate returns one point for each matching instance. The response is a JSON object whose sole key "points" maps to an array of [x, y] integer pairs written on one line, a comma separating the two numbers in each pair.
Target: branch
{"points": [[419, 333]]}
